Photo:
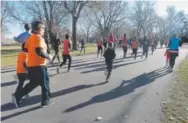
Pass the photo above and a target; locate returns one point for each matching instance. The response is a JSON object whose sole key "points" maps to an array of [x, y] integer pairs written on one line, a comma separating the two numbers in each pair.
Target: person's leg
{"points": [[34, 74], [64, 60], [172, 59], [109, 68], [54, 57], [146, 53], [48, 81], [44, 83], [81, 49], [21, 78], [70, 61], [123, 52], [98, 48], [101, 51], [58, 55], [135, 54], [132, 52]]}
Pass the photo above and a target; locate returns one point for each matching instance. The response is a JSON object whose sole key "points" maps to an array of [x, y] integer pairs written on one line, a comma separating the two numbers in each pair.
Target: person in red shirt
{"points": [[135, 44], [124, 45], [66, 53], [167, 54], [99, 47]]}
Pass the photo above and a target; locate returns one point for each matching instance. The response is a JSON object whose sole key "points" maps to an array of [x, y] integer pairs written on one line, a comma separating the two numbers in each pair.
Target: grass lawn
{"points": [[176, 109], [9, 53]]}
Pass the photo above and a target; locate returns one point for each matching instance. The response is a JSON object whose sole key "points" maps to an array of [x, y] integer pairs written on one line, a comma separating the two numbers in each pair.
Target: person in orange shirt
{"points": [[36, 48], [135, 44], [124, 45], [99, 47], [21, 70], [66, 53]]}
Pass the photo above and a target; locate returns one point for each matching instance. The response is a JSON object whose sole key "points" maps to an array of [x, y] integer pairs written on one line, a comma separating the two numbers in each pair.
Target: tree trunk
{"points": [[74, 42]]}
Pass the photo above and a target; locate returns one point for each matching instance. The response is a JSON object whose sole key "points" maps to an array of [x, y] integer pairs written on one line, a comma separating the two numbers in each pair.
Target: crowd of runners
{"points": [[32, 60]]}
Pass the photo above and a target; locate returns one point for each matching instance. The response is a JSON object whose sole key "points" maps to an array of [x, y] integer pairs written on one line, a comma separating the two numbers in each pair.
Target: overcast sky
{"points": [[160, 7]]}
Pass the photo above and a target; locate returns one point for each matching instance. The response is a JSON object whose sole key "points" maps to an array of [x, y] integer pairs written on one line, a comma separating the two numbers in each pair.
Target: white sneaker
{"points": [[14, 101], [26, 96]]}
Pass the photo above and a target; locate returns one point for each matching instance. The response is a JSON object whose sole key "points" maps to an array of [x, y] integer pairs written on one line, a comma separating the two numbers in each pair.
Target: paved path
{"points": [[133, 95]]}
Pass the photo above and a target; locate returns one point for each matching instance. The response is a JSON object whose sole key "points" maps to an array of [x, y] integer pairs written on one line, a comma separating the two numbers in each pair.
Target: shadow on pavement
{"points": [[6, 71], [37, 99], [123, 89], [19, 113], [114, 67], [8, 83]]}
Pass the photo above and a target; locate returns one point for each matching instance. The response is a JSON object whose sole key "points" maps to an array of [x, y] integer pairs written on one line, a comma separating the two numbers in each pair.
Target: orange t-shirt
{"points": [[99, 43], [66, 47], [22, 57], [31, 44], [134, 44]]}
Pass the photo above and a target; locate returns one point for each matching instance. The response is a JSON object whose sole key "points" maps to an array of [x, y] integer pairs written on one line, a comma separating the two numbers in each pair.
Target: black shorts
{"points": [[134, 50], [99, 47]]}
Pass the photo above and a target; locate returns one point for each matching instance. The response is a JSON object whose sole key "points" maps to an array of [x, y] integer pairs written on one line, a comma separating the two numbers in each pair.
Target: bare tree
{"points": [[143, 16], [171, 13], [161, 24], [106, 14], [74, 8], [4, 15], [86, 26], [51, 12]]}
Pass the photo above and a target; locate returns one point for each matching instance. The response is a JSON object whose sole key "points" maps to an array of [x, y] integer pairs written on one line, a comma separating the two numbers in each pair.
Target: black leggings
{"points": [[134, 52], [109, 68], [21, 77], [173, 59], [99, 49], [65, 57], [125, 51], [56, 54]]}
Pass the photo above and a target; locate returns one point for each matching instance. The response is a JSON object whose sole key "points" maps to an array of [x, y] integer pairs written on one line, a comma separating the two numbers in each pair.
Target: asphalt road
{"points": [[133, 95]]}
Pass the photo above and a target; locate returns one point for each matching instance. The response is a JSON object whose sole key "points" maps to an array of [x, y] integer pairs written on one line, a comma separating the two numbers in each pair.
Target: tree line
{"points": [[93, 20]]}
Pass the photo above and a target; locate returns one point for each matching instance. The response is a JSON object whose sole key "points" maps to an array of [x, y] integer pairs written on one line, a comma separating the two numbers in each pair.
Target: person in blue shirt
{"points": [[22, 38], [173, 46]]}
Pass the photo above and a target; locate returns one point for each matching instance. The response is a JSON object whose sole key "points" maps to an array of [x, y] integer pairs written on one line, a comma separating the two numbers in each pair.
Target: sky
{"points": [[160, 7]]}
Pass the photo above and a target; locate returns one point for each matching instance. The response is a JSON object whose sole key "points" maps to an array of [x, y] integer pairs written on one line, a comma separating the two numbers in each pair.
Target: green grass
{"points": [[9, 54], [176, 109]]}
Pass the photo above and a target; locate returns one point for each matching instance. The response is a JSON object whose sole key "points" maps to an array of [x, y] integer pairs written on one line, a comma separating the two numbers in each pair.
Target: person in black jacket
{"points": [[109, 55], [56, 47], [145, 47]]}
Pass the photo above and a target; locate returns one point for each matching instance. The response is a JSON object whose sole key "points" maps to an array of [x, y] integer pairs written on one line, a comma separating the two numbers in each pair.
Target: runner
{"points": [[124, 45], [99, 47], [167, 54], [152, 45], [105, 43], [82, 42], [22, 38], [38, 73], [56, 48], [66, 53], [21, 70], [173, 46], [145, 47], [135, 44], [109, 55]]}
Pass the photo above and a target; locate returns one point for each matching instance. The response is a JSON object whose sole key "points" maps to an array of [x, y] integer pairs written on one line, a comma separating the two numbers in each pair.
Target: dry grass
{"points": [[9, 54], [176, 110]]}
